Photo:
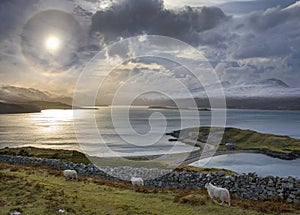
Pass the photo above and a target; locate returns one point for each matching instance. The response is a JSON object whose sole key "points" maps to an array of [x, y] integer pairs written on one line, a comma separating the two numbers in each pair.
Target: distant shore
{"points": [[30, 107], [176, 108]]}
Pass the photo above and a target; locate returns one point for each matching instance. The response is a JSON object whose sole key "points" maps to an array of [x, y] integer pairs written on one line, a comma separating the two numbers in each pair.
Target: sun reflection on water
{"points": [[58, 115], [54, 122]]}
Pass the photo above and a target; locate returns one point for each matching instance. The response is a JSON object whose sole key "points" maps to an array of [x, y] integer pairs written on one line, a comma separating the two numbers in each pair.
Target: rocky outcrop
{"points": [[284, 156], [247, 186]]}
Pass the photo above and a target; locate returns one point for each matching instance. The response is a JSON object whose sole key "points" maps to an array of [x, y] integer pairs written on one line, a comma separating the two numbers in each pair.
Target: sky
{"points": [[252, 46]]}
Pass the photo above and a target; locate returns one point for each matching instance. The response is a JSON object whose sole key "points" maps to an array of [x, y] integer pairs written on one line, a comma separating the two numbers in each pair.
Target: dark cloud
{"points": [[273, 17], [242, 7], [262, 44], [13, 13], [272, 33], [265, 44], [133, 17]]}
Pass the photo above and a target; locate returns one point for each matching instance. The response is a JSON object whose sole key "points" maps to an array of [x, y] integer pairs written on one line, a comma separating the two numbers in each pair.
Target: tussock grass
{"points": [[33, 190]]}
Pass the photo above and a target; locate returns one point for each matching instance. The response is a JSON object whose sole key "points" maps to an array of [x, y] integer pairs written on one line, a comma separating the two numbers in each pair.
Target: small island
{"points": [[177, 108]]}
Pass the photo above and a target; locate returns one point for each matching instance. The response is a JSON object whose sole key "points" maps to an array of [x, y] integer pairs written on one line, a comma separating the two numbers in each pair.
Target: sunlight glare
{"points": [[52, 43], [58, 115]]}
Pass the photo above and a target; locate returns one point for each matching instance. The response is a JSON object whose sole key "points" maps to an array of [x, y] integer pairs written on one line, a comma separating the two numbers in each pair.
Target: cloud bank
{"points": [[259, 45], [261, 42], [128, 18]]}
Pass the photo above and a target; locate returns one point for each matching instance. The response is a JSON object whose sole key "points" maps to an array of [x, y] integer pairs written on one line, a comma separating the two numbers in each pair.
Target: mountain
{"points": [[266, 94], [13, 94], [32, 107], [7, 108], [20, 94], [261, 103], [42, 105], [273, 82], [26, 100], [261, 88], [261, 94]]}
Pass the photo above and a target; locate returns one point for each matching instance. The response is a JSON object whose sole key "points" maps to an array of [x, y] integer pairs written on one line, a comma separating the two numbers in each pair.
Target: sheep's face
{"points": [[206, 186]]}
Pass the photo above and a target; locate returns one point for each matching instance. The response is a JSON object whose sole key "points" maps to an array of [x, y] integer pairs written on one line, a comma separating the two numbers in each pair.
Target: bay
{"points": [[56, 129]]}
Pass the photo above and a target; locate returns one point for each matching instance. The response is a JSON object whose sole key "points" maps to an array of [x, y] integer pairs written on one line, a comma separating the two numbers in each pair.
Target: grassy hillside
{"points": [[78, 157], [32, 190], [64, 155], [245, 139]]}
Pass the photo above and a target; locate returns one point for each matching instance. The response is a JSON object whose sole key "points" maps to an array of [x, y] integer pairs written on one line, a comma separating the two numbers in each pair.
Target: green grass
{"points": [[188, 168], [32, 190], [78, 157], [248, 139], [64, 155]]}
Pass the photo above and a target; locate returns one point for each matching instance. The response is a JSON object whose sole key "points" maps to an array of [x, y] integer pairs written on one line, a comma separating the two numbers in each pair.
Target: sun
{"points": [[52, 43]]}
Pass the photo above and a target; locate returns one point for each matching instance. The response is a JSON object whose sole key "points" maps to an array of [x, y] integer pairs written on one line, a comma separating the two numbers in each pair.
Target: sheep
{"points": [[219, 193], [137, 181], [70, 174]]}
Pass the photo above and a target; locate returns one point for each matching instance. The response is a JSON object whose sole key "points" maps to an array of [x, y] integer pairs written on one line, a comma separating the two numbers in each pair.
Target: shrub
{"points": [[22, 152]]}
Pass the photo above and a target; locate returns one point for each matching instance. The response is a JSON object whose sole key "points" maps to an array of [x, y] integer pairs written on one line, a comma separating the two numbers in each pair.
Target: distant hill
{"points": [[6, 108], [36, 106], [13, 94], [265, 94], [42, 105], [262, 103], [273, 82], [27, 100]]}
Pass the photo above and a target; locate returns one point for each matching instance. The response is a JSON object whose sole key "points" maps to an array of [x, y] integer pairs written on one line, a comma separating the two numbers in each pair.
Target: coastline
{"points": [[276, 146], [77, 156], [195, 158]]}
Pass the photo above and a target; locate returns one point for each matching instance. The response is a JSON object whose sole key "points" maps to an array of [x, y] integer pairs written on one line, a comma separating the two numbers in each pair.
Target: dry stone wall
{"points": [[247, 186]]}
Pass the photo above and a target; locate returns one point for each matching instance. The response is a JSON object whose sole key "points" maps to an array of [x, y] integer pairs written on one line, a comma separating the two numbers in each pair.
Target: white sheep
{"points": [[219, 193], [70, 174], [137, 181]]}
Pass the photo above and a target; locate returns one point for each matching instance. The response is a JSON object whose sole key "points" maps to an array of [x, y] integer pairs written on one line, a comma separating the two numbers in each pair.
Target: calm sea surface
{"points": [[263, 165], [55, 128]]}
